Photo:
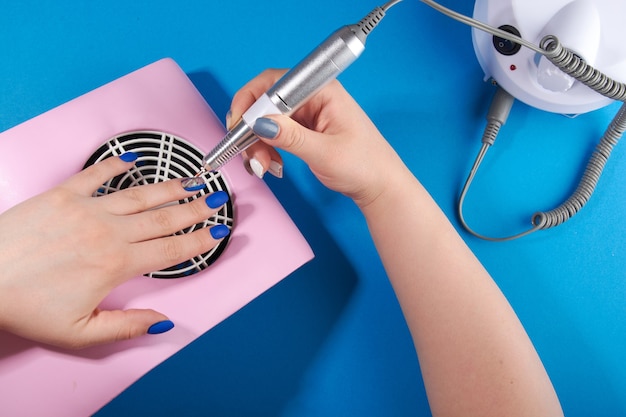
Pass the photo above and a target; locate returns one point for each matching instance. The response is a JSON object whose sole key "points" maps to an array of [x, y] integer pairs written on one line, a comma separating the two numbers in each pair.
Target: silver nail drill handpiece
{"points": [[320, 67]]}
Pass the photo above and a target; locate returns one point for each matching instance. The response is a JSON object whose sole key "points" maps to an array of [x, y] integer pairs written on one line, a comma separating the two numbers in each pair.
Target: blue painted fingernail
{"points": [[217, 199], [161, 327], [266, 128], [219, 231], [129, 156], [193, 183]]}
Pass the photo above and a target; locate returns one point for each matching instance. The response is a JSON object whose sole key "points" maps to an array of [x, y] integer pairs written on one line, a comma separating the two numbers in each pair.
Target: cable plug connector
{"points": [[497, 115], [367, 24]]}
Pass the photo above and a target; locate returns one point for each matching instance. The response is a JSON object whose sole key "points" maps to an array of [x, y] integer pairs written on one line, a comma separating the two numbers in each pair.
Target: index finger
{"points": [[251, 91], [89, 179]]}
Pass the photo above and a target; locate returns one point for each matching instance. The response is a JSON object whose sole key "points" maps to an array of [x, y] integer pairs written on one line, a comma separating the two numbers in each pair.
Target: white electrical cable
{"points": [[551, 48], [390, 4], [482, 26]]}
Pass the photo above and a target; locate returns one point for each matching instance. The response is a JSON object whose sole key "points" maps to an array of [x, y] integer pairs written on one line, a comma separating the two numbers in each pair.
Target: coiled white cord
{"points": [[590, 178], [573, 65]]}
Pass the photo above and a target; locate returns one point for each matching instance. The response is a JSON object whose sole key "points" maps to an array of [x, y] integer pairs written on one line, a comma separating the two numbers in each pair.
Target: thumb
{"points": [[107, 326], [285, 133]]}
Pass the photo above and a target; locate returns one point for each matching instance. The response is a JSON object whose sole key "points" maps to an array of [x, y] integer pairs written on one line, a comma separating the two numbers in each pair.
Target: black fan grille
{"points": [[163, 157]]}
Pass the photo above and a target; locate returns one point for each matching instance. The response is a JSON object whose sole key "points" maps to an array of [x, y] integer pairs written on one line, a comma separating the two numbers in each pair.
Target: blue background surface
{"points": [[330, 339]]}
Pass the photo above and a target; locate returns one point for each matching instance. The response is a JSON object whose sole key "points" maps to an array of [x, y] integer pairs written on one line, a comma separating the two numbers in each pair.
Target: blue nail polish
{"points": [[193, 183], [265, 128], [217, 199], [161, 327], [219, 231], [129, 156]]}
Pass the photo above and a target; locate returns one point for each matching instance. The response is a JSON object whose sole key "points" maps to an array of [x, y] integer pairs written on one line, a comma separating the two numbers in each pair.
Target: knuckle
{"points": [[137, 197], [295, 140], [198, 243], [163, 220], [59, 197], [172, 250], [125, 333], [181, 247], [198, 209]]}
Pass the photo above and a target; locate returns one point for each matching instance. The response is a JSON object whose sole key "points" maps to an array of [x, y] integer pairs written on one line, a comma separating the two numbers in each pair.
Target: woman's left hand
{"points": [[63, 251]]}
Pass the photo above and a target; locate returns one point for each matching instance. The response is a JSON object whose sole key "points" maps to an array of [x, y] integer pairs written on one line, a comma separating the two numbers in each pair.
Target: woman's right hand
{"points": [[331, 133], [475, 357]]}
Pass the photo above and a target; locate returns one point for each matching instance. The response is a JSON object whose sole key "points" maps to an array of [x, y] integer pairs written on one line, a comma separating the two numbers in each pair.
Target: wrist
{"points": [[390, 186]]}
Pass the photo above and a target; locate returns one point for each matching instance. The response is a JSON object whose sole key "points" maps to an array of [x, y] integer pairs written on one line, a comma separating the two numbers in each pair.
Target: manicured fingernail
{"points": [[246, 165], [219, 231], [276, 169], [161, 327], [229, 116], [216, 199], [266, 128], [129, 156], [193, 183], [256, 167]]}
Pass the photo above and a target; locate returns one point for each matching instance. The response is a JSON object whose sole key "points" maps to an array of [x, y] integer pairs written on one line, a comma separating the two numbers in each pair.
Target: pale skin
{"points": [[63, 251], [475, 355]]}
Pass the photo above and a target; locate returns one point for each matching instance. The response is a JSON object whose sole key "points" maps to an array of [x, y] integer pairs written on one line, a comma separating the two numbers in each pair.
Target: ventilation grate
{"points": [[163, 157]]}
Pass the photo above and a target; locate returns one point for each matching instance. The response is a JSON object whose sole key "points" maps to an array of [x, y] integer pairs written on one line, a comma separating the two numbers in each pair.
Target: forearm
{"points": [[475, 356]]}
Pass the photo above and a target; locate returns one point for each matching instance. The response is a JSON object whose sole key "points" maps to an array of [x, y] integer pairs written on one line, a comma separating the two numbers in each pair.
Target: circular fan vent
{"points": [[163, 157]]}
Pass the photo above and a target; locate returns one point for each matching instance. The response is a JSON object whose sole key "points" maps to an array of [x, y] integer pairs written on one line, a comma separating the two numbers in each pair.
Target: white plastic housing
{"points": [[594, 29], [262, 107]]}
